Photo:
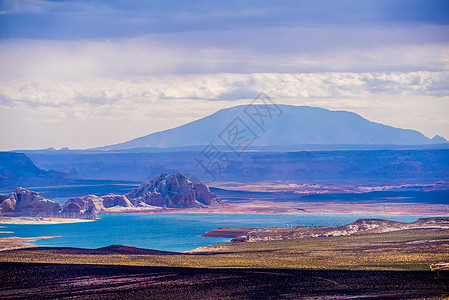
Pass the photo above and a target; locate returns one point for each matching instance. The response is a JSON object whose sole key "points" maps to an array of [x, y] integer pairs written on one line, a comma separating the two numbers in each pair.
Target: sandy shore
{"points": [[37, 220], [292, 207], [14, 242]]}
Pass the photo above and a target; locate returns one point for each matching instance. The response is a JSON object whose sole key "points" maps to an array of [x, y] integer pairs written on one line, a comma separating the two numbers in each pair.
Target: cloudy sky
{"points": [[83, 74]]}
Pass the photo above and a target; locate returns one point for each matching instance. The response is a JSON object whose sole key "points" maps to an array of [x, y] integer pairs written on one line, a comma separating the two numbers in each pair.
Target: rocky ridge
{"points": [[17, 169], [361, 226], [164, 191], [174, 190]]}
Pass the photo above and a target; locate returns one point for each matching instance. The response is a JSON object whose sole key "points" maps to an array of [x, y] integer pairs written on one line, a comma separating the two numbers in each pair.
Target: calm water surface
{"points": [[170, 231]]}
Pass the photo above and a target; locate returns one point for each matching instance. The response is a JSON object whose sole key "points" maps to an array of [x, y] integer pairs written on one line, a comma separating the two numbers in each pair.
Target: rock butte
{"points": [[163, 191]]}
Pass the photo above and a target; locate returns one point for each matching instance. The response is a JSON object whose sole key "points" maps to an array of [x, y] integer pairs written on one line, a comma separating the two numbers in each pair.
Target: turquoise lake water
{"points": [[170, 231]]}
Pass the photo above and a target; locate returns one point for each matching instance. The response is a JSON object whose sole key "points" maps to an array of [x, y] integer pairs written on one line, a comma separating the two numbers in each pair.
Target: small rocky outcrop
{"points": [[432, 221], [23, 202], [71, 210], [86, 207], [82, 207], [87, 202], [116, 200], [174, 190], [368, 225]]}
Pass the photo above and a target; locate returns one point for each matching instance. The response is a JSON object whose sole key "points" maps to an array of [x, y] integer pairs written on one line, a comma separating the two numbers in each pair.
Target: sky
{"points": [[83, 74]]}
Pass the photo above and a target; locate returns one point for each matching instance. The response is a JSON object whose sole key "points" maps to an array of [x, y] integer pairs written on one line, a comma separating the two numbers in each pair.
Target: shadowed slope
{"points": [[108, 250], [126, 282]]}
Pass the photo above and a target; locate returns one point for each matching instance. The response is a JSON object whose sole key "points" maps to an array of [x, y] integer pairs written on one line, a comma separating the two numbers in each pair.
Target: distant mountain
{"points": [[17, 169], [438, 140], [14, 165], [279, 126]]}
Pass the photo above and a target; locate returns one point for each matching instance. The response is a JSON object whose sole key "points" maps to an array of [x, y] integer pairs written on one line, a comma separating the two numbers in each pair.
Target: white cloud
{"points": [[140, 85], [144, 90]]}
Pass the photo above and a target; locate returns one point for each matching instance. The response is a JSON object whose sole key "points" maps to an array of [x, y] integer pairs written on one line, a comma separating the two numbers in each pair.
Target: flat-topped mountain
{"points": [[281, 126]]}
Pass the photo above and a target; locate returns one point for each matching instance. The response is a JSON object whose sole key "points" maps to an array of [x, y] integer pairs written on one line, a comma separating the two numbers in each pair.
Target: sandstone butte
{"points": [[165, 191]]}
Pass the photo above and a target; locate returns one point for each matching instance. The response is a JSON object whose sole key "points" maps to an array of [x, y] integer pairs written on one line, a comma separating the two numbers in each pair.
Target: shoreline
{"points": [[259, 207], [39, 220], [15, 242], [189, 211], [273, 208]]}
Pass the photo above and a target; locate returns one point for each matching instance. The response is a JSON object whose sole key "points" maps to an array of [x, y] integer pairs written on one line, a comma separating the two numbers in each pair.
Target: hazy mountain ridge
{"points": [[18, 169], [386, 166], [291, 126]]}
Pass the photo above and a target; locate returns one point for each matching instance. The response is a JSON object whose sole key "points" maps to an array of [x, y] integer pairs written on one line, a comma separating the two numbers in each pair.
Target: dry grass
{"points": [[399, 250]]}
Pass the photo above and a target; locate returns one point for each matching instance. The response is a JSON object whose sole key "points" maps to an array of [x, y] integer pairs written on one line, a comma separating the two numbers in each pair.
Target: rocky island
{"points": [[164, 191]]}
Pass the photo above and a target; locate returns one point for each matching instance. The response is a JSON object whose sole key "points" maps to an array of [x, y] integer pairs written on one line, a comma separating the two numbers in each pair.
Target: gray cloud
{"points": [[118, 59], [112, 19], [219, 87]]}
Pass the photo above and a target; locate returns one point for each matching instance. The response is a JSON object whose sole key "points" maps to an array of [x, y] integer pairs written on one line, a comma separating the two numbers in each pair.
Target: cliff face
{"points": [[25, 203], [174, 190], [82, 207], [87, 206], [28, 203]]}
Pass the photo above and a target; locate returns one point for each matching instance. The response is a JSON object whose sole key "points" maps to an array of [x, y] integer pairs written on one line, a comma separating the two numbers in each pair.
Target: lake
{"points": [[170, 231]]}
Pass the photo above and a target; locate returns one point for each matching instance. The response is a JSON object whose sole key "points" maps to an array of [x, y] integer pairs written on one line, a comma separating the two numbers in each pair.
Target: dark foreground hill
{"points": [[108, 250], [46, 281]]}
